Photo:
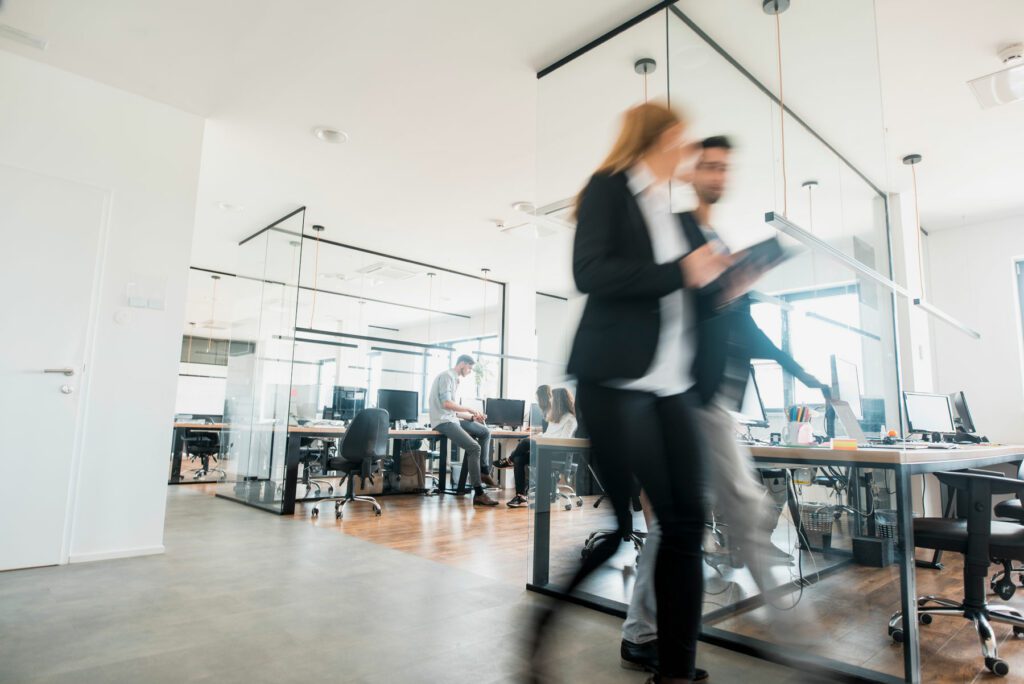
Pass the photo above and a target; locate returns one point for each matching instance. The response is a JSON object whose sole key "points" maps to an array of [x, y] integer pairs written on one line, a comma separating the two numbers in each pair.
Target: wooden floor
{"points": [[843, 617]]}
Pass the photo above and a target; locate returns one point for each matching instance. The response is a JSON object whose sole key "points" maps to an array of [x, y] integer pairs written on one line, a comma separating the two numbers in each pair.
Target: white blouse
{"points": [[566, 427]]}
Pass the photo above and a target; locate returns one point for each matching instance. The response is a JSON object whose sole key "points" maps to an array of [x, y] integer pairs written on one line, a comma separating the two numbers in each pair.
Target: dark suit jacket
{"points": [[728, 338], [613, 263]]}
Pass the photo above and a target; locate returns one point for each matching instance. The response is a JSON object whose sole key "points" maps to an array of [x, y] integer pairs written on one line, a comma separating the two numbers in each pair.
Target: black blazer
{"points": [[613, 263], [728, 338]]}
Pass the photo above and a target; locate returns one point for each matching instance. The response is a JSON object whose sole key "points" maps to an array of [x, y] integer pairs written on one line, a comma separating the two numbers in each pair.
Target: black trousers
{"points": [[650, 438], [520, 460]]}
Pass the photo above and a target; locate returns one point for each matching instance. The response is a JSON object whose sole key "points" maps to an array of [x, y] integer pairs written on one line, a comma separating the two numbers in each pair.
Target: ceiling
{"points": [[440, 101]]}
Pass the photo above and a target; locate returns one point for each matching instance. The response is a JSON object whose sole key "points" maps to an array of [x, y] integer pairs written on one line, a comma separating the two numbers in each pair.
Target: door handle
{"points": [[66, 371]]}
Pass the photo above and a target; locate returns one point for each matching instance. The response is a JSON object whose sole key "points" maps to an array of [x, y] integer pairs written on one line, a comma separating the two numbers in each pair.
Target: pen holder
{"points": [[799, 433]]}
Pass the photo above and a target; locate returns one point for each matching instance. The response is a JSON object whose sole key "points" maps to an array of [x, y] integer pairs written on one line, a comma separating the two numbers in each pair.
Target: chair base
{"points": [[569, 494], [930, 606], [635, 536], [339, 505], [1002, 582]]}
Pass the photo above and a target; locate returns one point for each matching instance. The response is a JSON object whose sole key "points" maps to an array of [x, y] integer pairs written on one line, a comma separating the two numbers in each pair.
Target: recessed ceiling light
{"points": [[330, 135], [23, 37], [227, 206]]}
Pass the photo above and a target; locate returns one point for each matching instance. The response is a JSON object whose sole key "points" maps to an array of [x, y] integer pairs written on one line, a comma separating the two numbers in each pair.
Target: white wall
{"points": [[147, 155], [971, 277]]}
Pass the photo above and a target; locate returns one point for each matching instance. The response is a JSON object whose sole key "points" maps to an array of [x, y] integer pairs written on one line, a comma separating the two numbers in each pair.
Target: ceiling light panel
{"points": [[1002, 87]]}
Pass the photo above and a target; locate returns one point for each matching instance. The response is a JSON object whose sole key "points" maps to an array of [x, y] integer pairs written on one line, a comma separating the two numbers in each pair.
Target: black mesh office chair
{"points": [[204, 447], [364, 446], [979, 539], [1002, 582]]}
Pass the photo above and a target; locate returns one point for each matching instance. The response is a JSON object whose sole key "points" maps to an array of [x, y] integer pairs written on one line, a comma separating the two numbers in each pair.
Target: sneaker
{"points": [[488, 481], [503, 463], [517, 502], [484, 500]]}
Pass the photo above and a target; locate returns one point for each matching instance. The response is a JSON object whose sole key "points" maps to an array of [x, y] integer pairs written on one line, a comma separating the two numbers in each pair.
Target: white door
{"points": [[49, 237]]}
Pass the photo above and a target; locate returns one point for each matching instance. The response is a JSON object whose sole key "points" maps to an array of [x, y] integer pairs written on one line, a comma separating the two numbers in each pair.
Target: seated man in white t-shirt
{"points": [[464, 427]]}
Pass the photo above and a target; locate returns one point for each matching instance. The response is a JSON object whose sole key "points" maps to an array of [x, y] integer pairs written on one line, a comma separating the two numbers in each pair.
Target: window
{"points": [[813, 326]]}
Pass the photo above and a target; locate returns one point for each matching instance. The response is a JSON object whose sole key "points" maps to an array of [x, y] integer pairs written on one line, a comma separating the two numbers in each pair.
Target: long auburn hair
{"points": [[562, 403], [641, 127]]}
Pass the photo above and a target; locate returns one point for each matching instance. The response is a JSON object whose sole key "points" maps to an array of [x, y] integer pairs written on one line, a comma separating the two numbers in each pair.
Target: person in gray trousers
{"points": [[464, 427]]}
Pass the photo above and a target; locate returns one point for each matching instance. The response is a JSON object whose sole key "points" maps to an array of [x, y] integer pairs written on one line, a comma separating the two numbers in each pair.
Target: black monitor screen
{"points": [[400, 404], [506, 412], [347, 402], [928, 412], [961, 414]]}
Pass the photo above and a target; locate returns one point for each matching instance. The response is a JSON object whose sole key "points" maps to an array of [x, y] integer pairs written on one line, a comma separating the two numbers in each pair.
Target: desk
{"points": [[296, 433], [903, 463], [181, 431]]}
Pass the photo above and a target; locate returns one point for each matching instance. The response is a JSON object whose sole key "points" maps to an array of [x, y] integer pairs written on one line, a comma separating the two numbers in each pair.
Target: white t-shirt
{"points": [[671, 370], [566, 427]]}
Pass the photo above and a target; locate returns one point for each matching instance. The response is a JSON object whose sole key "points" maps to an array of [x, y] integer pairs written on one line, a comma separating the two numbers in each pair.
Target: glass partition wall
{"points": [[258, 393], [312, 323], [809, 168]]}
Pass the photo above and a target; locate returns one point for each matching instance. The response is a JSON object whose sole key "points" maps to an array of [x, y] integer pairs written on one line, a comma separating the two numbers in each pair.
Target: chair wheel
{"points": [[377, 512], [897, 636], [316, 513], [997, 666], [579, 503], [337, 515], [568, 506], [1004, 589], [925, 619], [1018, 631]]}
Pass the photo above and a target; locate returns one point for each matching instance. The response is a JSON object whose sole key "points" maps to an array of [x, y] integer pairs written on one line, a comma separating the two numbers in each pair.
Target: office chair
{"points": [[365, 445], [635, 536], [978, 538], [1002, 581], [204, 446], [314, 453]]}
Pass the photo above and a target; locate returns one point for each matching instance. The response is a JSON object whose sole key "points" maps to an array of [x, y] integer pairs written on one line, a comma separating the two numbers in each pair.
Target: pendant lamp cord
{"points": [[213, 312], [782, 117], [316, 275], [917, 227]]}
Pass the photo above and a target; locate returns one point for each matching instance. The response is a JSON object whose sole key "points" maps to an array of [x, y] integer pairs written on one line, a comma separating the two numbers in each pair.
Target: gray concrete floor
{"points": [[245, 596]]}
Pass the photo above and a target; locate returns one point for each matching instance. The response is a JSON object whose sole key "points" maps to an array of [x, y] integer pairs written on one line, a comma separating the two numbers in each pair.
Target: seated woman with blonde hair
{"points": [[561, 422]]}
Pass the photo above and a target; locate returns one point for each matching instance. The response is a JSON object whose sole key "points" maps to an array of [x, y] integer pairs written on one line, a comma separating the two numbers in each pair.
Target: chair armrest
{"points": [[978, 471], [995, 484]]}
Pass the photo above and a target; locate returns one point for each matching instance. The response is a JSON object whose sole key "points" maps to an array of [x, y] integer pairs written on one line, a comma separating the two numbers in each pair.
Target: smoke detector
{"points": [[1012, 55]]}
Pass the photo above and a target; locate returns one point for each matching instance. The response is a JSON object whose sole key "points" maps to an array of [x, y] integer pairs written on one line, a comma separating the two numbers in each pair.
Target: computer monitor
{"points": [[400, 404], [347, 402], [846, 384], [961, 414], [752, 412], [874, 414], [928, 412], [505, 412]]}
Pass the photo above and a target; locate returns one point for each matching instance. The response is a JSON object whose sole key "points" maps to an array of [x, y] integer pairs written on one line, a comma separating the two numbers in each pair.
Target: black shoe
{"points": [[645, 657], [639, 656]]}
